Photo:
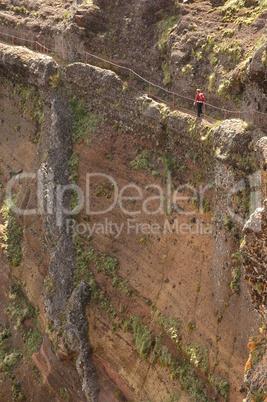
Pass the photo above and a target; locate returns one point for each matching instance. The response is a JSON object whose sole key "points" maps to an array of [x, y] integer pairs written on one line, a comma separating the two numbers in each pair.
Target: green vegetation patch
{"points": [[5, 334], [103, 263], [17, 392], [9, 358], [142, 161], [250, 10], [19, 10], [82, 271], [84, 123], [32, 103], [187, 69], [167, 77], [105, 304], [172, 165], [233, 50], [230, 226], [198, 356], [34, 340], [166, 26], [141, 334], [212, 81], [10, 361], [220, 385], [55, 82], [73, 165], [13, 234], [20, 311], [247, 163], [148, 160], [64, 394], [162, 356], [189, 381], [193, 359], [171, 325]]}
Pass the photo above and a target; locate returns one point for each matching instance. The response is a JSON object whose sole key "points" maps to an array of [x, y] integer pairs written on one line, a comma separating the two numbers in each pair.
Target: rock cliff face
{"points": [[253, 251], [124, 279]]}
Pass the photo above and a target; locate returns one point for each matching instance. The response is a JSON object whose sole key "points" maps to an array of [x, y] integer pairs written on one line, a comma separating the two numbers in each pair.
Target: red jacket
{"points": [[199, 97]]}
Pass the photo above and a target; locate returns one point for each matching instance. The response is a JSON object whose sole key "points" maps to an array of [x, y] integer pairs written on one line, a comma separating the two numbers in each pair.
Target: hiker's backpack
{"points": [[201, 97]]}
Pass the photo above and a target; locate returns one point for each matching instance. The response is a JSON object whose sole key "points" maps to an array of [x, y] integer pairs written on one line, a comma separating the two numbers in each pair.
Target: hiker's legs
{"points": [[199, 107]]}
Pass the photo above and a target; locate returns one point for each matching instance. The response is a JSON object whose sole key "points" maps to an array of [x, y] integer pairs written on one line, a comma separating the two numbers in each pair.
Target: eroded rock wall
{"points": [[163, 317]]}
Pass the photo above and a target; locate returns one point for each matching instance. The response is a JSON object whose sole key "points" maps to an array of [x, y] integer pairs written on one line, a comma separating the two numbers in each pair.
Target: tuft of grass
{"points": [[167, 77], [209, 44], [55, 82], [221, 385], [64, 394], [223, 89], [84, 123], [66, 15], [82, 271], [162, 355], [17, 392], [186, 70], [105, 304], [17, 128], [37, 375], [230, 226], [198, 356], [142, 161], [166, 26], [31, 103], [189, 381], [143, 241], [73, 165], [142, 336], [19, 10], [10, 361], [5, 334], [34, 340], [191, 325], [212, 80]]}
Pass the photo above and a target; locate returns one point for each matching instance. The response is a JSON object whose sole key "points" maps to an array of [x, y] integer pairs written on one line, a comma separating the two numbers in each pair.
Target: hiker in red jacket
{"points": [[199, 100]]}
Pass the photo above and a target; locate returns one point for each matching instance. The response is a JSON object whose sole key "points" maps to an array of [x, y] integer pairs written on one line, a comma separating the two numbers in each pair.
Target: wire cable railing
{"points": [[211, 111]]}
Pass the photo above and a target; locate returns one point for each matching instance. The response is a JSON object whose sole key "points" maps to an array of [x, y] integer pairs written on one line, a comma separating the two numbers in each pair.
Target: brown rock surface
{"points": [[172, 290]]}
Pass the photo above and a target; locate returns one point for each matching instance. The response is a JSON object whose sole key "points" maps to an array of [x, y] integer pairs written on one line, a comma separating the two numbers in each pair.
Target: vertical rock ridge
{"points": [[62, 300]]}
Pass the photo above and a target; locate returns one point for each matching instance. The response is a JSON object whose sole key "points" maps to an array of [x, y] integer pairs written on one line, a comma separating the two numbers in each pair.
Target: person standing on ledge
{"points": [[199, 100]]}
